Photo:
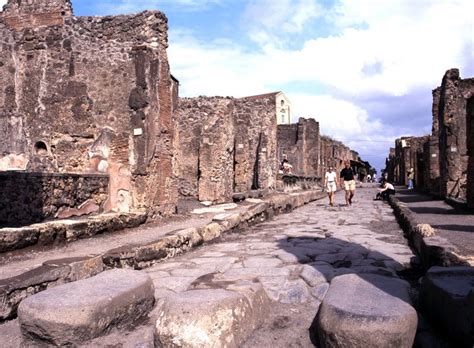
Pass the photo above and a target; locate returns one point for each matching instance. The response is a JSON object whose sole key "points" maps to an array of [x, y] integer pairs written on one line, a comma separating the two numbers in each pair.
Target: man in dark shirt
{"points": [[347, 179]]}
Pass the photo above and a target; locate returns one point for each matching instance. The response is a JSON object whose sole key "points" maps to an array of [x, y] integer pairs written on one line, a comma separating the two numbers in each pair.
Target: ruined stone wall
{"points": [[301, 144], [225, 145], [255, 124], [409, 154], [334, 153], [89, 94], [432, 150], [470, 150], [27, 198], [21, 14], [391, 166], [453, 141]]}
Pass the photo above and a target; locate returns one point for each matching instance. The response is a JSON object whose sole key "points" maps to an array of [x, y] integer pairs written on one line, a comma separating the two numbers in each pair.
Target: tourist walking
{"points": [[330, 184], [411, 177], [348, 182]]}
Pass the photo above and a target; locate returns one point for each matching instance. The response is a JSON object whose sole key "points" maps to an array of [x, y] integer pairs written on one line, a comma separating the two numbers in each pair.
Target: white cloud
{"points": [[132, 6], [270, 21]]}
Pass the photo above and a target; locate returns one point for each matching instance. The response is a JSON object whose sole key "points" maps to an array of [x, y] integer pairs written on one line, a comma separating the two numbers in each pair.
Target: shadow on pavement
{"points": [[457, 228], [332, 257]]}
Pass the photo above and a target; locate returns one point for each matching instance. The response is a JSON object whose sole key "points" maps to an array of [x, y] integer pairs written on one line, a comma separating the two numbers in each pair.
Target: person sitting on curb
{"points": [[385, 192], [330, 184]]}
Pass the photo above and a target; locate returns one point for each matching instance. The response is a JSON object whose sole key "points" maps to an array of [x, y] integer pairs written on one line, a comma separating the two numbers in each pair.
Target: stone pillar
{"points": [[433, 148], [452, 137]]}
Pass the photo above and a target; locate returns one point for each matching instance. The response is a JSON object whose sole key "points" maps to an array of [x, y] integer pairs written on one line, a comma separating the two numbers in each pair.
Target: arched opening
{"points": [[41, 149]]}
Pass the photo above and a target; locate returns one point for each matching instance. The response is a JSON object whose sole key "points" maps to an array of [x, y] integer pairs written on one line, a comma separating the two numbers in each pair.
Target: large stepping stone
{"points": [[366, 311], [447, 300], [211, 317], [76, 312]]}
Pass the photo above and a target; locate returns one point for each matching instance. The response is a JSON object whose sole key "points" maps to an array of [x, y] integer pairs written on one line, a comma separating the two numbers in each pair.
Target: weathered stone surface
{"points": [[76, 312], [313, 276], [300, 143], [447, 300], [50, 274], [210, 317], [229, 153], [211, 231], [61, 114], [28, 198], [66, 231], [366, 311]]}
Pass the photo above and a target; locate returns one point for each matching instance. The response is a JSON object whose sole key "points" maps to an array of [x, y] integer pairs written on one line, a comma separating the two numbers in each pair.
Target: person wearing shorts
{"points": [[348, 182], [330, 184]]}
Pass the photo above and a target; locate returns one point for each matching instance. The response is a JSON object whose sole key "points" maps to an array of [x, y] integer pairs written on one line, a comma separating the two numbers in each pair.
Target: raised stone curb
{"points": [[366, 311], [52, 273], [433, 250], [77, 312], [66, 231], [211, 317], [140, 256], [57, 272], [447, 301]]}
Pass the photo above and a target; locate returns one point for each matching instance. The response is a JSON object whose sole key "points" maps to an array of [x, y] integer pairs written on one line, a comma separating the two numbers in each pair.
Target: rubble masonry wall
{"points": [[89, 95], [27, 198]]}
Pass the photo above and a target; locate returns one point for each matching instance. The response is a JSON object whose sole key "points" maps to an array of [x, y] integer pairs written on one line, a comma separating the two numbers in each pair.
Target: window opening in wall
{"points": [[41, 149], [282, 118], [282, 102]]}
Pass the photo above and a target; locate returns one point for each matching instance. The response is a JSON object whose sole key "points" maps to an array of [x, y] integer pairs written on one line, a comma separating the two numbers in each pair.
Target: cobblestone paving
{"points": [[294, 256]]}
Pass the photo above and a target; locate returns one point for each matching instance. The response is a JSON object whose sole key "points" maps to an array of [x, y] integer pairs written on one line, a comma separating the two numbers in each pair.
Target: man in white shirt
{"points": [[330, 184]]}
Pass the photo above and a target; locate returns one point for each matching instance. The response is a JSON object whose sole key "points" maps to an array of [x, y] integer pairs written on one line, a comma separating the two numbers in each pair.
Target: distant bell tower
{"points": [[20, 14]]}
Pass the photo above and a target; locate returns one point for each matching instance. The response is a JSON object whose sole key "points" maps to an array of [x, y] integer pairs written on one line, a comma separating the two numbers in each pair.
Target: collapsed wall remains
{"points": [[444, 161], [88, 95]]}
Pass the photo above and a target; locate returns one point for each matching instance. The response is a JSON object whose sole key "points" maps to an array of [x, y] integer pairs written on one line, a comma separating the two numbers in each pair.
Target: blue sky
{"points": [[363, 68]]}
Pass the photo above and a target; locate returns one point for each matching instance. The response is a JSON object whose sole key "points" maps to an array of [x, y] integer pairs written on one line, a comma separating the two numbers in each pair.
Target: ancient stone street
{"points": [[294, 256], [264, 285]]}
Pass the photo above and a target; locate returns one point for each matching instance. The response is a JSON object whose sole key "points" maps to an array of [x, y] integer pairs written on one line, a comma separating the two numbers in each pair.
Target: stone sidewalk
{"points": [[456, 226]]}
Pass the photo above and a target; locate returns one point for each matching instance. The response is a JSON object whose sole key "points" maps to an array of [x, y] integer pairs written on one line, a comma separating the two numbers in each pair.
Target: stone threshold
{"points": [[56, 272], [67, 230], [433, 250]]}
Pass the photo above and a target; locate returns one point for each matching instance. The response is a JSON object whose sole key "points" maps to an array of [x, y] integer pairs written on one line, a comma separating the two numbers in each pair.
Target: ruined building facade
{"points": [[301, 144], [225, 145], [444, 163], [88, 95]]}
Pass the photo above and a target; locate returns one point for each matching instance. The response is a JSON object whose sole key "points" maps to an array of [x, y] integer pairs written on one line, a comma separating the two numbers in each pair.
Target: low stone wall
{"points": [[297, 182], [27, 198]]}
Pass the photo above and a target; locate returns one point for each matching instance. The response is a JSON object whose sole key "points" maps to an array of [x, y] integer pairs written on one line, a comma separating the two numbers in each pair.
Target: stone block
{"points": [[76, 312], [366, 311], [447, 300], [52, 273], [17, 238], [211, 317], [211, 231]]}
